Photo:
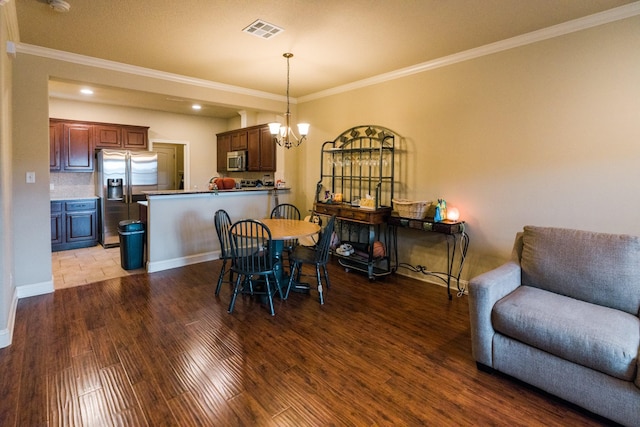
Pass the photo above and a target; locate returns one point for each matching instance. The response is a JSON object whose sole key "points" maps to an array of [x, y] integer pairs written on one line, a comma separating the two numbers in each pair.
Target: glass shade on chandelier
{"points": [[284, 135]]}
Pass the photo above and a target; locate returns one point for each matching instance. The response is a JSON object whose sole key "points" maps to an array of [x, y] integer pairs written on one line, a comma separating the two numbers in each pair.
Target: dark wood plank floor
{"points": [[161, 349]]}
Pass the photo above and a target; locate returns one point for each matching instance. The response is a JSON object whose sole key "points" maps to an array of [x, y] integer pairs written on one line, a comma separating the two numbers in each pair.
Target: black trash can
{"points": [[131, 234]]}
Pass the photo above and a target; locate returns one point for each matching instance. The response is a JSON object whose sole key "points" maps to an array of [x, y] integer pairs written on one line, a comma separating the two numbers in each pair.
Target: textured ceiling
{"points": [[335, 42]]}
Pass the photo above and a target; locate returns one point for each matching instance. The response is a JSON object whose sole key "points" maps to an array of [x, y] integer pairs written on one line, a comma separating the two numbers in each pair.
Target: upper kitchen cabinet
{"points": [[256, 140], [77, 147], [55, 158], [121, 136], [107, 136], [135, 137], [222, 148], [261, 155], [72, 144], [239, 140]]}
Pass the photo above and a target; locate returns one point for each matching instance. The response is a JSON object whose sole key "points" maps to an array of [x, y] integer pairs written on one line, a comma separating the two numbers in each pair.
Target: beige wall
{"points": [[32, 224], [7, 287], [545, 134]]}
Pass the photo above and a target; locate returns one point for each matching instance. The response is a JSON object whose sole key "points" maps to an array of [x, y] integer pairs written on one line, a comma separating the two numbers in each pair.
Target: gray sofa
{"points": [[562, 315]]}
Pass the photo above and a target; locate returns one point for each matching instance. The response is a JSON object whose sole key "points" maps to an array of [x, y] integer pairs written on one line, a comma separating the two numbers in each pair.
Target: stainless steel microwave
{"points": [[237, 161]]}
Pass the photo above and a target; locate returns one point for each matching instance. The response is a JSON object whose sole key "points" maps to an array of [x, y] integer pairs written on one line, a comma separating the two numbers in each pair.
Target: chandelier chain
{"points": [[288, 68], [283, 135]]}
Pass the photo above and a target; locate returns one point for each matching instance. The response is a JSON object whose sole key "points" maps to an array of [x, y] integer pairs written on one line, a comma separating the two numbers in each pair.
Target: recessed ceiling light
{"points": [[196, 107], [86, 91]]}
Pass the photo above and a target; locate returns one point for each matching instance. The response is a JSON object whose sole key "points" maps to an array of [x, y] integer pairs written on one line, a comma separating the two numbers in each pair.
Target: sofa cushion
{"points": [[597, 337], [600, 268]]}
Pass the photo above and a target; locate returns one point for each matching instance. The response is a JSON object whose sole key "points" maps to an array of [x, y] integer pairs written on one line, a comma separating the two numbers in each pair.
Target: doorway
{"points": [[171, 165]]}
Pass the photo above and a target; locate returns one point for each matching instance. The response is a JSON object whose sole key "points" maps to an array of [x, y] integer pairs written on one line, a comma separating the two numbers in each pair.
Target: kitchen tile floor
{"points": [[87, 265]]}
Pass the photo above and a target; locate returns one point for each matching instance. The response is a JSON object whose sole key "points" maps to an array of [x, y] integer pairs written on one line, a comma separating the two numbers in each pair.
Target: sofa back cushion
{"points": [[599, 268]]}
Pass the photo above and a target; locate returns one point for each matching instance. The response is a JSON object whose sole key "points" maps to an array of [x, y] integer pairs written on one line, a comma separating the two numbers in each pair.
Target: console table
{"points": [[455, 236]]}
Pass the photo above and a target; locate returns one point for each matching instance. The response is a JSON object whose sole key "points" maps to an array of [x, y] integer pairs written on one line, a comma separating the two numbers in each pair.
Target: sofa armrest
{"points": [[484, 291], [637, 381]]}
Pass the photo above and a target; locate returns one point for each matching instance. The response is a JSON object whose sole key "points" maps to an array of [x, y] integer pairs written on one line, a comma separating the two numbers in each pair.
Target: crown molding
{"points": [[568, 27], [141, 71]]}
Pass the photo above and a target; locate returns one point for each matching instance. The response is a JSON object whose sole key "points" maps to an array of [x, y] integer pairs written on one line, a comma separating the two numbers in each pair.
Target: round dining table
{"points": [[287, 229]]}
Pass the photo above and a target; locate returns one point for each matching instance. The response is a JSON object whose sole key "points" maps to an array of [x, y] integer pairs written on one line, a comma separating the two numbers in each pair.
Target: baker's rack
{"points": [[360, 162]]}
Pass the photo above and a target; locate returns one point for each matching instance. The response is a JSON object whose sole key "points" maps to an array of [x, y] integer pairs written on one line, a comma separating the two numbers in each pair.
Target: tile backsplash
{"points": [[72, 185]]}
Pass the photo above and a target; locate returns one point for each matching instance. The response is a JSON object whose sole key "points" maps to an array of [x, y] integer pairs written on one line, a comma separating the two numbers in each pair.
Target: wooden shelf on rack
{"points": [[345, 211]]}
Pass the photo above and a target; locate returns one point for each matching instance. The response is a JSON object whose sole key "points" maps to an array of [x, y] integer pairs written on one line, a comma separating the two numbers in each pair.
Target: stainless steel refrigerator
{"points": [[122, 176]]}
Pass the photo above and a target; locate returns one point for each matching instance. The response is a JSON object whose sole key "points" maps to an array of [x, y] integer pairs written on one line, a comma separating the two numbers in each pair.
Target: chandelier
{"points": [[283, 135]]}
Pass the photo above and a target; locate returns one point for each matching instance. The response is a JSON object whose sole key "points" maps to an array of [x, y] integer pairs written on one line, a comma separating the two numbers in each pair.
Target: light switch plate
{"points": [[31, 177]]}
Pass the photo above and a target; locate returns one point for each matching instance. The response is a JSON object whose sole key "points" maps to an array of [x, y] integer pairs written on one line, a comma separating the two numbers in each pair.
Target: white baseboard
{"points": [[154, 266], [431, 280], [6, 335], [35, 289]]}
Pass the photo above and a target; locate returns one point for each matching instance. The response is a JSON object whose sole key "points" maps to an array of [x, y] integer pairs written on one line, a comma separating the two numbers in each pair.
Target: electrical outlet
{"points": [[31, 177]]}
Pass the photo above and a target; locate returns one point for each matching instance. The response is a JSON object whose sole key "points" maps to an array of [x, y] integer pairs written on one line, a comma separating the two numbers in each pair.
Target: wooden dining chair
{"points": [[317, 256], [252, 261], [287, 211], [223, 224]]}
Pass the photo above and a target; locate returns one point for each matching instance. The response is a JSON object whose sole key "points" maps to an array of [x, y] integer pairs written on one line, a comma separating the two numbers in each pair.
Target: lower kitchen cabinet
{"points": [[74, 224], [57, 221]]}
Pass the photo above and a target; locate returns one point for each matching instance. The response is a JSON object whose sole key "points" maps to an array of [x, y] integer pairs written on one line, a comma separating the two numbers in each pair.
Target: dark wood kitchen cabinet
{"points": [[77, 147], [57, 224], [257, 140], [70, 146], [120, 136], [222, 148], [72, 143], [239, 140], [261, 155], [107, 136], [74, 224], [55, 157], [135, 137]]}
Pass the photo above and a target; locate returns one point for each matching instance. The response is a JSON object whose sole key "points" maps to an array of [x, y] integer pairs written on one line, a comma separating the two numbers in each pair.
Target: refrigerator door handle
{"points": [[127, 174]]}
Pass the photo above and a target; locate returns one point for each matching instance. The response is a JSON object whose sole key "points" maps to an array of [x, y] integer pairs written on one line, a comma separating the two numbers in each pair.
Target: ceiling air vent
{"points": [[262, 29]]}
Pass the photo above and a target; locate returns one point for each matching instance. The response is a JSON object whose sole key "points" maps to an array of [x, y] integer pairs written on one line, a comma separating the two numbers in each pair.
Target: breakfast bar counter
{"points": [[180, 223], [215, 192]]}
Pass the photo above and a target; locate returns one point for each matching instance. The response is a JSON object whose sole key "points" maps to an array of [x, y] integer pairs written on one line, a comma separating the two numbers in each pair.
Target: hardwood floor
{"points": [[161, 349]]}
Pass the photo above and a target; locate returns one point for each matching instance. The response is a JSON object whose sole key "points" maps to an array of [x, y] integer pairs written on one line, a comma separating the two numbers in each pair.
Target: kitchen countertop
{"points": [[233, 190], [60, 198]]}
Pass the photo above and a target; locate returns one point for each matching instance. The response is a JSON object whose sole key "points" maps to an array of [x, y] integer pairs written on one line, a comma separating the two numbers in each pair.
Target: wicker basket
{"points": [[411, 209]]}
